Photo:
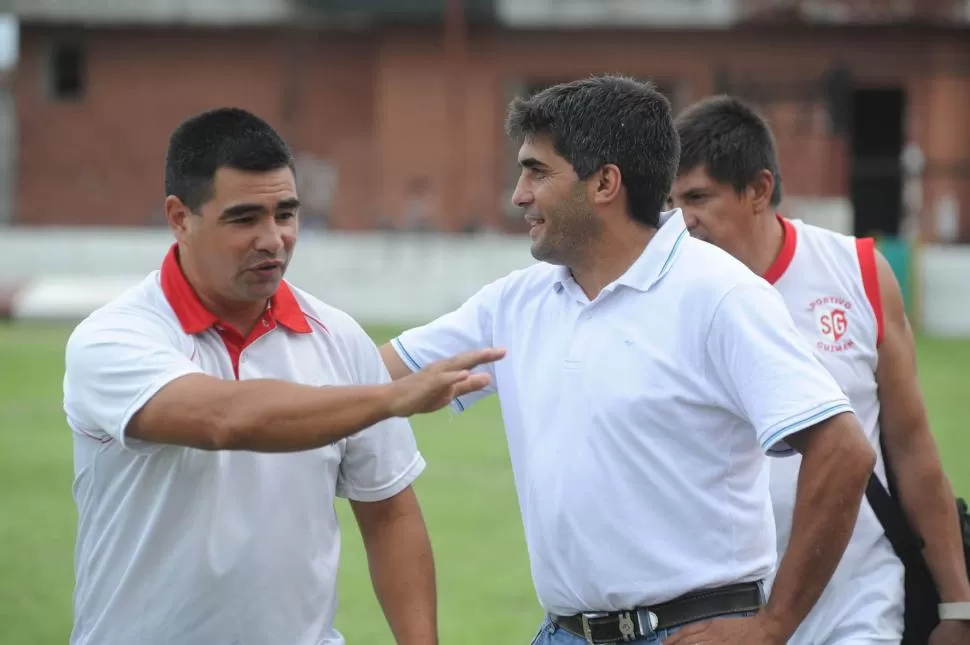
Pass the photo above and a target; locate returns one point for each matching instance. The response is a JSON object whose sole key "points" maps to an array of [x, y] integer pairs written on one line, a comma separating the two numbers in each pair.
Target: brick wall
{"points": [[385, 125], [101, 158]]}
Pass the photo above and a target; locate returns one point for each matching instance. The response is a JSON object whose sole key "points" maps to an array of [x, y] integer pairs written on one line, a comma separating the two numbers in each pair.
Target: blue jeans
{"points": [[552, 634]]}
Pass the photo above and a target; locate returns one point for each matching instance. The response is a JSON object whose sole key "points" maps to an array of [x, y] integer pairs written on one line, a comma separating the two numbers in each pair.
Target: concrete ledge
{"points": [[66, 298], [401, 278], [943, 288]]}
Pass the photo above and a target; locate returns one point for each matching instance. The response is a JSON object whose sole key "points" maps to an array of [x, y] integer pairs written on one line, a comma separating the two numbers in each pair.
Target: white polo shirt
{"points": [[178, 545], [638, 423]]}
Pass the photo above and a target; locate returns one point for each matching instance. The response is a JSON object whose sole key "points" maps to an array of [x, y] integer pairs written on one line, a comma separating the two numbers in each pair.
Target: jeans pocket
{"points": [[543, 628], [663, 634]]}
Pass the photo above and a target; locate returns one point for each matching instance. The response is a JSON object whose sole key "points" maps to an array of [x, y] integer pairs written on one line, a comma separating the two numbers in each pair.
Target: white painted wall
{"points": [[944, 290], [374, 277], [393, 278], [618, 13]]}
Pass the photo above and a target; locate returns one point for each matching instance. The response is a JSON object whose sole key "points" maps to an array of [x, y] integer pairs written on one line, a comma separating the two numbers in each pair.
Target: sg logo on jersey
{"points": [[834, 324], [832, 314]]}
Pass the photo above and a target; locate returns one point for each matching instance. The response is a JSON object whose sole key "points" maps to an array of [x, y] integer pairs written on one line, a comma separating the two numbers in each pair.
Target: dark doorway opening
{"points": [[876, 178]]}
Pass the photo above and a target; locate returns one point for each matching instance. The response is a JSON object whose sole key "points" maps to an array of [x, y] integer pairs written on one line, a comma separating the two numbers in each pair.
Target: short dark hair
{"points": [[607, 120], [220, 138], [730, 140]]}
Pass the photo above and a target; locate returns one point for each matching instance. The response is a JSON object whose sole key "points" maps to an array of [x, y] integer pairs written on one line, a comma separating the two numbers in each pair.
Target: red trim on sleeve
{"points": [[865, 248]]}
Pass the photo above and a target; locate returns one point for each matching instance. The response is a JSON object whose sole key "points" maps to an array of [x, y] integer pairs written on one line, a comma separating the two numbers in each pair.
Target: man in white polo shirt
{"points": [[844, 298], [218, 411], [647, 376]]}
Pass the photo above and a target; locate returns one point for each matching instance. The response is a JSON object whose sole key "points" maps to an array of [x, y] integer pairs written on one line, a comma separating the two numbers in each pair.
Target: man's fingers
{"points": [[470, 360], [444, 379], [685, 634], [472, 383]]}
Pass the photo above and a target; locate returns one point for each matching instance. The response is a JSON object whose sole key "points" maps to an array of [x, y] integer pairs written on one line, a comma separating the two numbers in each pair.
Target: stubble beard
{"points": [[572, 229]]}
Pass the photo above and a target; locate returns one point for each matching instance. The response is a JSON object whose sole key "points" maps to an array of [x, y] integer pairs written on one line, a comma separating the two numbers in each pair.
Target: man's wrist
{"points": [[954, 611], [387, 399], [953, 589], [775, 626]]}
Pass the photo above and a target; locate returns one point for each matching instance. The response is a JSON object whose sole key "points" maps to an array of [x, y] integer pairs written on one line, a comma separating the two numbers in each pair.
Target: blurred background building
{"points": [[395, 108]]}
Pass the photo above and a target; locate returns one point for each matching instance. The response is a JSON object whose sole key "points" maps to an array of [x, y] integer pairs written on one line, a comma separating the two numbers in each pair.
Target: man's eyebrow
{"points": [[690, 190], [532, 162], [240, 210]]}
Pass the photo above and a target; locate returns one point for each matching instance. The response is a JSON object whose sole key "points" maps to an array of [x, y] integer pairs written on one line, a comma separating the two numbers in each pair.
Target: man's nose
{"points": [[522, 195], [690, 219], [270, 239]]}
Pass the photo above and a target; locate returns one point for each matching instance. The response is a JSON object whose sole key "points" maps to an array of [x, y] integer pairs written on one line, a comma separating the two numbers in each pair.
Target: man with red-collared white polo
{"points": [[217, 411]]}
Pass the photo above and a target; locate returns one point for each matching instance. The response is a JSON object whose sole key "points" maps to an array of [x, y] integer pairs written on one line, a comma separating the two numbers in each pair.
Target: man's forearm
{"points": [[402, 570], [927, 500], [267, 415], [261, 415], [829, 493], [284, 417]]}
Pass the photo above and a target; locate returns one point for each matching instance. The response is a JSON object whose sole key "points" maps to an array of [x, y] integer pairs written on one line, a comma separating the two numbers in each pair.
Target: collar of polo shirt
{"points": [[786, 254], [195, 318], [656, 259]]}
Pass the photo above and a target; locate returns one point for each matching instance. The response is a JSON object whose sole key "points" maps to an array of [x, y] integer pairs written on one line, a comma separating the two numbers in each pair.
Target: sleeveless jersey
{"points": [[829, 282]]}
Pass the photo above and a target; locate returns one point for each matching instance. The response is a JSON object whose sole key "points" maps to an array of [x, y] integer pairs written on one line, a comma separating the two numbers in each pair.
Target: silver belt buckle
{"points": [[628, 629]]}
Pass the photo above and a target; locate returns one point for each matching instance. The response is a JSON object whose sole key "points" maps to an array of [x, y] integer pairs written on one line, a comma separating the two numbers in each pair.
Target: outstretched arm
{"points": [[124, 379]]}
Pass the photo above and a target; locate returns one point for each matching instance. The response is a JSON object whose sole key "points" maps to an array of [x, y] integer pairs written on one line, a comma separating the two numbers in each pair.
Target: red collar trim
{"points": [[787, 253], [286, 310], [195, 318]]}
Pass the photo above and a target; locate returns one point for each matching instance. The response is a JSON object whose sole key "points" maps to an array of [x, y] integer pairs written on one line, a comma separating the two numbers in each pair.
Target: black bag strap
{"points": [[905, 542]]}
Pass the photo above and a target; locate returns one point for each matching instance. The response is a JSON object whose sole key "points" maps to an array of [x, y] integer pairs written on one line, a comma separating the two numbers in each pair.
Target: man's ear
{"points": [[177, 214], [607, 184], [761, 190]]}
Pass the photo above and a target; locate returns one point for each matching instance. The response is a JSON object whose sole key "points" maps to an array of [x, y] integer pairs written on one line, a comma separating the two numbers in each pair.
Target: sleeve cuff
{"points": [[121, 432], [414, 366], [404, 354], [390, 489], [774, 443]]}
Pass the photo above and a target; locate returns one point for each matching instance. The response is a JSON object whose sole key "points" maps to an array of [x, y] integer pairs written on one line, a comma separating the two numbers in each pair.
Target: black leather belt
{"points": [[642, 622]]}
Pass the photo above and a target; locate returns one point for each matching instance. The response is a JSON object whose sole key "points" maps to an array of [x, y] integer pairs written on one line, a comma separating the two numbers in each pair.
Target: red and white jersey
{"points": [[206, 547], [830, 284]]}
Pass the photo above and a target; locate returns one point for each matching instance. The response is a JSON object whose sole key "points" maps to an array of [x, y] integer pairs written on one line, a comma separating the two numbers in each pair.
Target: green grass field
{"points": [[484, 587]]}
